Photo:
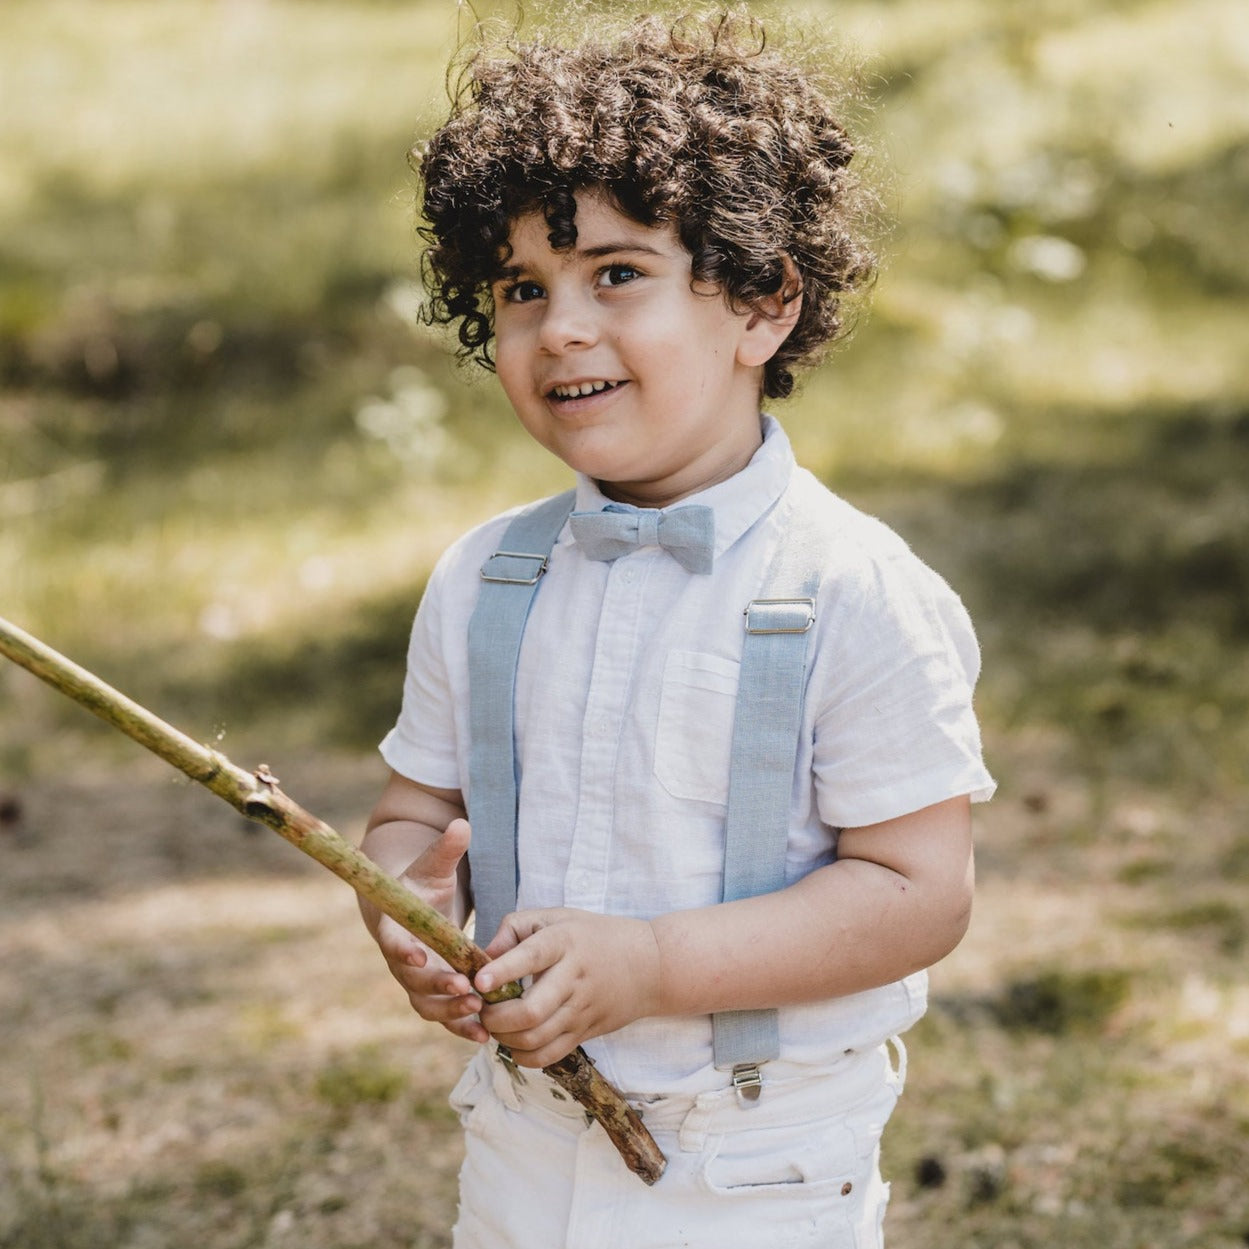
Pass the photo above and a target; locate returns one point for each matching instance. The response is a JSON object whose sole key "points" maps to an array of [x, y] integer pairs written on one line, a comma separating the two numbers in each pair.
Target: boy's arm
{"points": [[419, 834], [897, 899]]}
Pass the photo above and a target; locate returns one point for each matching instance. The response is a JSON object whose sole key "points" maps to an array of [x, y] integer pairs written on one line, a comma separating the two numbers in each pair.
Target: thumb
{"points": [[441, 858], [512, 953], [514, 929]]}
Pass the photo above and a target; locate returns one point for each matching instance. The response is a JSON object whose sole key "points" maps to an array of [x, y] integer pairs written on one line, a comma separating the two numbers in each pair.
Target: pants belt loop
{"points": [[899, 1066], [692, 1134]]}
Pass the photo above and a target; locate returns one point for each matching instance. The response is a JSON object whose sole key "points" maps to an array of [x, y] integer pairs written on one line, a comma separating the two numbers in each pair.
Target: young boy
{"points": [[725, 863]]}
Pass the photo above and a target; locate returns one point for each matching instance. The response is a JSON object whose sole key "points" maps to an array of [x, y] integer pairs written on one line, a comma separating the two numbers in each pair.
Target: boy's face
{"points": [[616, 365]]}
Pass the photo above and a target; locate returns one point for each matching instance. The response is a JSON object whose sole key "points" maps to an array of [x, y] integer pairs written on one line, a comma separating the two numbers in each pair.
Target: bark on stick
{"points": [[257, 796]]}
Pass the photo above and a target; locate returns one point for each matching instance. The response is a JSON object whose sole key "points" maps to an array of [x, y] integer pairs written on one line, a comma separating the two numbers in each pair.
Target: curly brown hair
{"points": [[694, 123]]}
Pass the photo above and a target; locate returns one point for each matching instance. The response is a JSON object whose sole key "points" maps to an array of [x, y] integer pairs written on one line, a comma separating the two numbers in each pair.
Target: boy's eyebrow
{"points": [[607, 249], [506, 272]]}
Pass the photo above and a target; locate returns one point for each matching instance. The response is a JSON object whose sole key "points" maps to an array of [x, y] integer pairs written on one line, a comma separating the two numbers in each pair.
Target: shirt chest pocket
{"points": [[694, 735]]}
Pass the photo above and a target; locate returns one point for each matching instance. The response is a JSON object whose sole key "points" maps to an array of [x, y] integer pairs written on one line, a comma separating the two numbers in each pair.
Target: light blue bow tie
{"points": [[687, 533]]}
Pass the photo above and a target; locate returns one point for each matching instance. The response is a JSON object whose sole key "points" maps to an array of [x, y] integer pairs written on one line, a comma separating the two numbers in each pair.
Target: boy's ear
{"points": [[771, 319]]}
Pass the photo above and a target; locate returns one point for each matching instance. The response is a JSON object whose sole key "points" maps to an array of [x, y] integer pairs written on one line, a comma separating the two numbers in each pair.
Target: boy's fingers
{"points": [[433, 982], [398, 945], [518, 948], [469, 1029], [535, 955], [442, 857], [514, 965], [517, 927], [537, 1011], [457, 1013], [533, 1053], [444, 1009]]}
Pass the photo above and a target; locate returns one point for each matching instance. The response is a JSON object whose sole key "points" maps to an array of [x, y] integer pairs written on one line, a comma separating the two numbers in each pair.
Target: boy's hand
{"points": [[591, 974], [437, 993]]}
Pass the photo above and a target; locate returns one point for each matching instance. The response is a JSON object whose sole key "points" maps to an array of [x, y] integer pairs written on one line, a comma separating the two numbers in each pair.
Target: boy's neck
{"points": [[692, 480]]}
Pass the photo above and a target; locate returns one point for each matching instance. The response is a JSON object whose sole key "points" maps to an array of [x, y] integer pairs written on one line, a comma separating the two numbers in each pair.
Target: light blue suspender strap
{"points": [[767, 722], [509, 581], [766, 727]]}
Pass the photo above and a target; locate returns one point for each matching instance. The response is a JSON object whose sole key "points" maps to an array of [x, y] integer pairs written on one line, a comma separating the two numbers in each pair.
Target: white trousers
{"points": [[797, 1168]]}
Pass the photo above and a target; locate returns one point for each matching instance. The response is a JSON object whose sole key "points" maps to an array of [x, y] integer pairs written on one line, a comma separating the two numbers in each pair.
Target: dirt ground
{"points": [[198, 1044]]}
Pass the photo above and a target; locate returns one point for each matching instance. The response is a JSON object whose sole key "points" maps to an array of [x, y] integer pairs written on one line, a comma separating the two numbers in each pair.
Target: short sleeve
{"points": [[422, 744], [895, 729]]}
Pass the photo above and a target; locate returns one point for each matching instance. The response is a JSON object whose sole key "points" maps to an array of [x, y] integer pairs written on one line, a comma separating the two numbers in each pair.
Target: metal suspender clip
{"points": [[503, 579], [779, 615], [747, 1083]]}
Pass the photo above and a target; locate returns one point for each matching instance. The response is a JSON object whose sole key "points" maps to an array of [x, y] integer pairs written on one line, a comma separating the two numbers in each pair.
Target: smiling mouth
{"points": [[581, 390]]}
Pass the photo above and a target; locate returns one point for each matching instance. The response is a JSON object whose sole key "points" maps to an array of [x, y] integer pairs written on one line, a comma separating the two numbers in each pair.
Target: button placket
{"points": [[615, 655]]}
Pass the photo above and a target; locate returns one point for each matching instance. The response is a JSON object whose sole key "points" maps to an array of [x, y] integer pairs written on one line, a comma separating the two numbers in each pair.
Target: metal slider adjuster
{"points": [[505, 580], [779, 615], [747, 1083]]}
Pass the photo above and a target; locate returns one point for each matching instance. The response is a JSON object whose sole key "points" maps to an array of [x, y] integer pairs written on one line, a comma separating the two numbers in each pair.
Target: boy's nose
{"points": [[569, 324]]}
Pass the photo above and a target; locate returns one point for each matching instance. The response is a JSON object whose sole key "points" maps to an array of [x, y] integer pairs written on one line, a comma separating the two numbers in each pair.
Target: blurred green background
{"points": [[229, 457]]}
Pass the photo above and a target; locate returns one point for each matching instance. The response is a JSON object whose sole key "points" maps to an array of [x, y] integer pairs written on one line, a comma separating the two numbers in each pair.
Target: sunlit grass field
{"points": [[229, 457]]}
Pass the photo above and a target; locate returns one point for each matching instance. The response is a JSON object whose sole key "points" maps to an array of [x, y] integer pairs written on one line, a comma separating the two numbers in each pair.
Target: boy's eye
{"points": [[618, 275], [522, 292]]}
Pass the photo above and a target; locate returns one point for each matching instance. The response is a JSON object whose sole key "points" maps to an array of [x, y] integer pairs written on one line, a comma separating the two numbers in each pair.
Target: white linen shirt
{"points": [[624, 711]]}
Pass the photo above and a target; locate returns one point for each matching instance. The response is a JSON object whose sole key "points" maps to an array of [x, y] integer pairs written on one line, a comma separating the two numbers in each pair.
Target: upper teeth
{"points": [[585, 388]]}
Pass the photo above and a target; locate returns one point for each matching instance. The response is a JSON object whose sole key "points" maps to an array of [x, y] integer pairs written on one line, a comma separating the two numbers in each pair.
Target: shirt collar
{"points": [[740, 500]]}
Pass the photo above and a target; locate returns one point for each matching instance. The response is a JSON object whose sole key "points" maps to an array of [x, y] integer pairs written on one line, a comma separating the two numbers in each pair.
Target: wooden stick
{"points": [[257, 796]]}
